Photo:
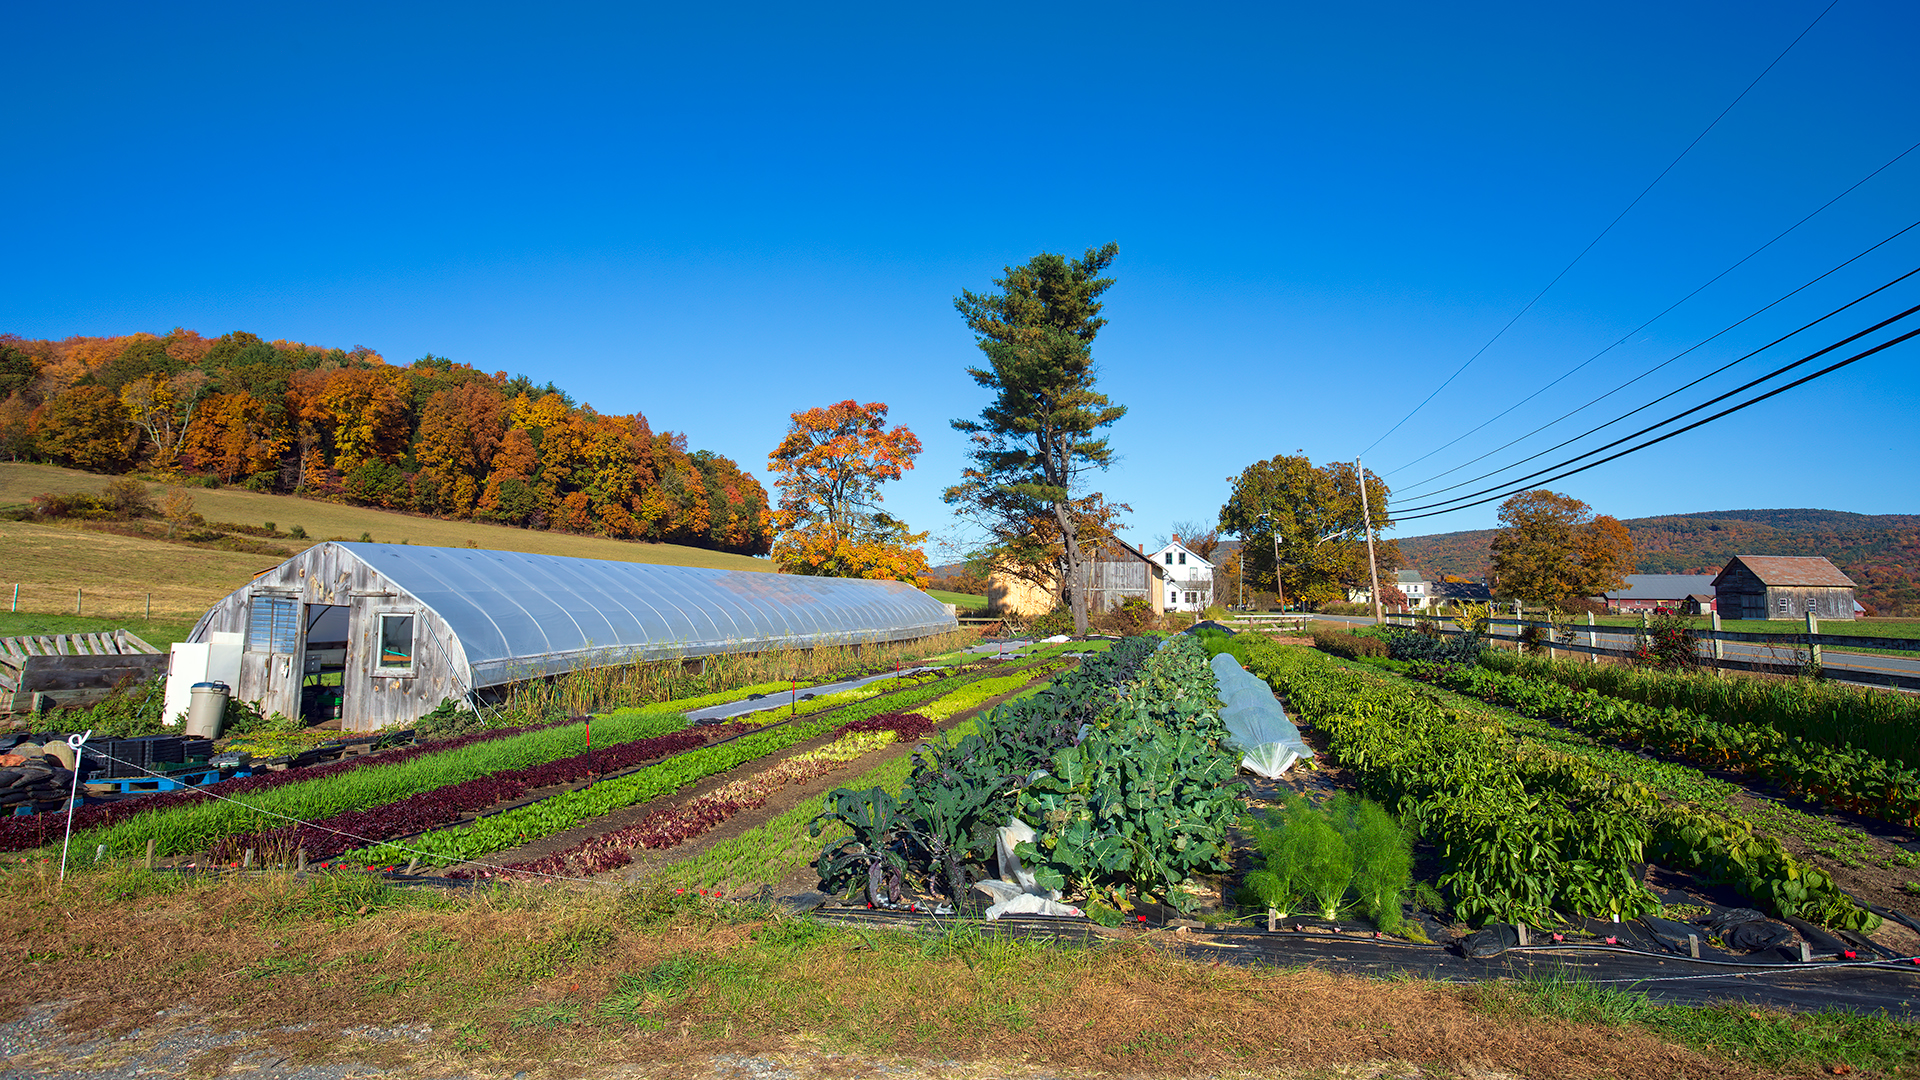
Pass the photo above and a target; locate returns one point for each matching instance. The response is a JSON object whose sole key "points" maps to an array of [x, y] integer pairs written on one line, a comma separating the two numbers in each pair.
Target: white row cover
{"points": [[1255, 720], [517, 615]]}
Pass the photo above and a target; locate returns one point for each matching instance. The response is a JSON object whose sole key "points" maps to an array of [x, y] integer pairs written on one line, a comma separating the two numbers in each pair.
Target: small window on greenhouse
{"points": [[396, 645]]}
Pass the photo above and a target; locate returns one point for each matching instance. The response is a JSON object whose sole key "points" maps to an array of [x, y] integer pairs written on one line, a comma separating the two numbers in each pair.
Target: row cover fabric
{"points": [[518, 615], [1255, 720]]}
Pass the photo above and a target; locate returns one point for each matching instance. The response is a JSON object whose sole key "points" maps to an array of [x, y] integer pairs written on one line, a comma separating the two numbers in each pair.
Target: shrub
{"points": [[298, 532], [128, 497], [1057, 621]]}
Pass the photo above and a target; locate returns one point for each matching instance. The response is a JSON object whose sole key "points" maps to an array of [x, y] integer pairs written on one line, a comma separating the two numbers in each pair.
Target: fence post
{"points": [[16, 596], [149, 607], [1813, 649], [1719, 647], [77, 595], [1593, 641]]}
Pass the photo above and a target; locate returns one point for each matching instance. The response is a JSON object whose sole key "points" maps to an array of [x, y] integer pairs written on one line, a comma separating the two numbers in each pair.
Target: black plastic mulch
{"points": [[1638, 962]]}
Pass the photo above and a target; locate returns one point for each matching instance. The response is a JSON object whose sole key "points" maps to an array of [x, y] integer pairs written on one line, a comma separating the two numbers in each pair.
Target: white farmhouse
{"points": [[1189, 582]]}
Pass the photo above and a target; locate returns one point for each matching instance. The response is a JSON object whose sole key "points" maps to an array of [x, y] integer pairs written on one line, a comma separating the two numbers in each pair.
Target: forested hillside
{"points": [[1880, 552], [433, 436]]}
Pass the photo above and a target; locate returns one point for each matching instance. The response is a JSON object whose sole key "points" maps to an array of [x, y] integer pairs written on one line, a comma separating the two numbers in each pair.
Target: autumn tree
{"points": [[1551, 549], [236, 435], [1311, 520], [87, 428], [828, 470], [460, 431], [1034, 444]]}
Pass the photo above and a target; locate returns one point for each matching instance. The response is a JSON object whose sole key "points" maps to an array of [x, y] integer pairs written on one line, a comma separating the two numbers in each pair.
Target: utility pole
{"points": [[1366, 517]]}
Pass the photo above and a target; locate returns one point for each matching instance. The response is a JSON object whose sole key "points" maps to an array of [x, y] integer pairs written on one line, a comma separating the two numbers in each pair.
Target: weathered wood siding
{"points": [[1742, 595], [326, 574]]}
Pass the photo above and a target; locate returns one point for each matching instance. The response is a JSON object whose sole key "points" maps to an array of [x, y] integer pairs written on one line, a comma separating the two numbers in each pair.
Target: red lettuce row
{"points": [[327, 837], [24, 833]]}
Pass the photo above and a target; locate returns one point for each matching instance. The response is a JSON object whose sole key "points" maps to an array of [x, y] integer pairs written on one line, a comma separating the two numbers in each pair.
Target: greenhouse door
{"points": [[270, 666], [323, 678]]}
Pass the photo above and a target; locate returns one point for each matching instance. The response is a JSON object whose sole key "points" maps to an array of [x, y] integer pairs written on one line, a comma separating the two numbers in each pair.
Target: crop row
{"points": [[1842, 777], [1526, 832], [1884, 723], [328, 837], [564, 811], [675, 825], [96, 824]]}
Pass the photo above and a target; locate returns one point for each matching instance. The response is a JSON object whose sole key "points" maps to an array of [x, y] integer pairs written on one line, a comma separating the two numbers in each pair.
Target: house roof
{"points": [[1790, 570], [1461, 590], [1663, 587], [1201, 559], [1408, 576], [1112, 548]]}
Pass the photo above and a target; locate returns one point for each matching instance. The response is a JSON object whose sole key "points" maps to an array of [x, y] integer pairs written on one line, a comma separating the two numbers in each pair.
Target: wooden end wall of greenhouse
{"points": [[326, 636]]}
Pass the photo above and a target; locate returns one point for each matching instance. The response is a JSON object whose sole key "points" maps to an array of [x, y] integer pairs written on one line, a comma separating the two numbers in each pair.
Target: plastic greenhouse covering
{"points": [[517, 615], [1255, 720]]}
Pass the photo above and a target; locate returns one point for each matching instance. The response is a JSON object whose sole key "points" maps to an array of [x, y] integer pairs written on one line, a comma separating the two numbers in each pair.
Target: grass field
{"points": [[964, 601], [1900, 628], [158, 633], [116, 573]]}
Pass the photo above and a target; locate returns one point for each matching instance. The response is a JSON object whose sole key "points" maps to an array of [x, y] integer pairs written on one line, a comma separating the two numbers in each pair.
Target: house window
{"points": [[1169, 558], [1783, 603], [1172, 597], [396, 645], [1183, 558], [1190, 597]]}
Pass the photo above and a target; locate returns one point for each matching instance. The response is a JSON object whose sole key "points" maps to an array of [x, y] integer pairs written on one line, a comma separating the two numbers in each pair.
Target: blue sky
{"points": [[719, 216]]}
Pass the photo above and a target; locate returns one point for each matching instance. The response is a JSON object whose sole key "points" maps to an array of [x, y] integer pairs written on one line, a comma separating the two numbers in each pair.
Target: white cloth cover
{"points": [[1017, 892], [1256, 722]]}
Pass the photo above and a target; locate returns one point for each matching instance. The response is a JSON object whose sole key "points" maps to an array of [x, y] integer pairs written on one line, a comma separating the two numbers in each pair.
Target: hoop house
{"points": [[379, 634]]}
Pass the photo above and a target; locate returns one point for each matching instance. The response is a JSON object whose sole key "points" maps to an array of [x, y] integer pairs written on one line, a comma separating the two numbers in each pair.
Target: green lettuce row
{"points": [[196, 827]]}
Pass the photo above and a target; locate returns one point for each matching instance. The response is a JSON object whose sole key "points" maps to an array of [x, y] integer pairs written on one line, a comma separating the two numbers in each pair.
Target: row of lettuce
{"points": [[348, 811], [1523, 831]]}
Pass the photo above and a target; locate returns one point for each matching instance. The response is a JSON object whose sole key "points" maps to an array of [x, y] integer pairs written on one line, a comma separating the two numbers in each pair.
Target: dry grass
{"points": [[116, 572], [564, 983]]}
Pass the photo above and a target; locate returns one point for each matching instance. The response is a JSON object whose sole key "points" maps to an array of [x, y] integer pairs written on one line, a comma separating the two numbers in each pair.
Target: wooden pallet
{"points": [[45, 670]]}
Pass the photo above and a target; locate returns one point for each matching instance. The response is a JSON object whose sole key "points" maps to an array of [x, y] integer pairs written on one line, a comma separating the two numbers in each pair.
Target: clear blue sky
{"points": [[719, 216]]}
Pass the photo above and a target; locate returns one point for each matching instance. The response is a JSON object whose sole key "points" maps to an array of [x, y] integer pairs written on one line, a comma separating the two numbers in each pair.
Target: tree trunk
{"points": [[1076, 596]]}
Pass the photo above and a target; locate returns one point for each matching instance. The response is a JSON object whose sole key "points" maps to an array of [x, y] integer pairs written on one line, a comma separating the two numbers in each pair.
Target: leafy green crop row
{"points": [[1879, 722], [1120, 767], [1842, 777], [196, 827], [567, 810], [1527, 832]]}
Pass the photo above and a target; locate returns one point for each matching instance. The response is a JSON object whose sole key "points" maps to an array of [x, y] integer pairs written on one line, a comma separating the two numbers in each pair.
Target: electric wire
{"points": [[1624, 338], [1669, 394], [1603, 232], [1698, 423]]}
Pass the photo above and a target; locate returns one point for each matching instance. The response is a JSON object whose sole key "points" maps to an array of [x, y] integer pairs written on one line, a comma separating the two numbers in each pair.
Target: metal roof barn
{"points": [[378, 634]]}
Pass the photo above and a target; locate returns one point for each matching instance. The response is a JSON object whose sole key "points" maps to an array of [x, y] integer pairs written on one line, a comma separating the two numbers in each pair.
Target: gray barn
{"points": [[379, 634], [1783, 587]]}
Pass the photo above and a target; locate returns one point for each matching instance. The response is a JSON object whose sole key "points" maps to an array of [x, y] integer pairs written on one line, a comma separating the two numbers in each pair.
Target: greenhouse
{"points": [[378, 634]]}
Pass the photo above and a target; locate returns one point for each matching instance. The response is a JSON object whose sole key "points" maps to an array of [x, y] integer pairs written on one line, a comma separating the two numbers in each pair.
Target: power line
{"points": [[1624, 338], [1683, 387], [1603, 232], [1514, 486]]}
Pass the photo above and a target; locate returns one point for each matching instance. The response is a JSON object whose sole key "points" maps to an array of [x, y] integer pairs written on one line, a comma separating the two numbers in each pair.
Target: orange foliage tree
{"points": [[1551, 549], [236, 436], [87, 428], [829, 469]]}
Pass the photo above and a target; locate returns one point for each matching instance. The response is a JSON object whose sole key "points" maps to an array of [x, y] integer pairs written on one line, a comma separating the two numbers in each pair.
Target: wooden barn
{"points": [[1114, 571], [1783, 587], [379, 634]]}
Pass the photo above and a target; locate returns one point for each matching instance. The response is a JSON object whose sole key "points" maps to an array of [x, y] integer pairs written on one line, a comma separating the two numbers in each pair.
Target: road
{"points": [[1831, 658]]}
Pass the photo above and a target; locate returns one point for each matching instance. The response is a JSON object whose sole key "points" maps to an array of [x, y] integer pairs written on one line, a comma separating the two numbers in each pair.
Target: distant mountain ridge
{"points": [[1881, 552]]}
